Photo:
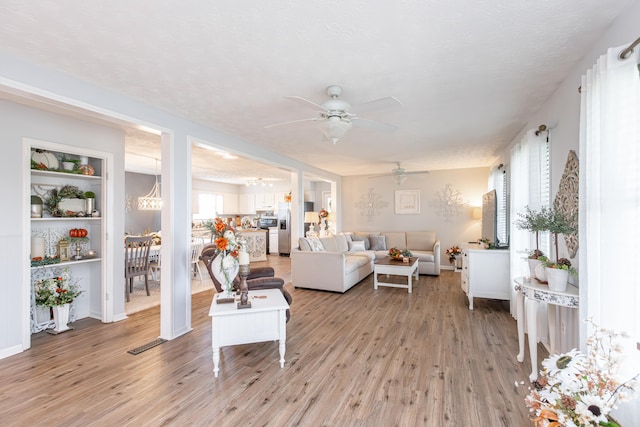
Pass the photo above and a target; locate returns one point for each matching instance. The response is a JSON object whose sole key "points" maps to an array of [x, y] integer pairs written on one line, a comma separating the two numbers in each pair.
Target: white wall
{"points": [[137, 221], [472, 184], [17, 122], [562, 114]]}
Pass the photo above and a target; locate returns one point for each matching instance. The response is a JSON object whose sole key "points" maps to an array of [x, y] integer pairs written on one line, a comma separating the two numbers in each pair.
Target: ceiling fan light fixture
{"points": [[400, 179], [334, 128]]}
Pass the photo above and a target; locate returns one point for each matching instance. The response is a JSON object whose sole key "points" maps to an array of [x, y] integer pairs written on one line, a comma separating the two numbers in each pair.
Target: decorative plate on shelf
{"points": [[45, 158]]}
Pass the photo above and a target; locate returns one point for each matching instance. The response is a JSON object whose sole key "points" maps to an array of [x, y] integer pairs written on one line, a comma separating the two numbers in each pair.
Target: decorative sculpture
{"points": [[566, 201]]}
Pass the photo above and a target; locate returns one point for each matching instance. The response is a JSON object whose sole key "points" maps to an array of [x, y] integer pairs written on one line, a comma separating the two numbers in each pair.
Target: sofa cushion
{"points": [[424, 256], [316, 244], [397, 240], [377, 243], [329, 244], [341, 243], [357, 246], [359, 238], [304, 245], [421, 240], [353, 262]]}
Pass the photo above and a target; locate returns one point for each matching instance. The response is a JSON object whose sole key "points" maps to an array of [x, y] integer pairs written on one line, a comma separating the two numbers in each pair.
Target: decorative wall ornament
{"points": [[370, 204], [448, 202], [566, 201], [407, 202], [130, 203]]}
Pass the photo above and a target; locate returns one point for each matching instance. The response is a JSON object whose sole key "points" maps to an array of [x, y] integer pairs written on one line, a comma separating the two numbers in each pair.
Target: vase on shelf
{"points": [[61, 317], [533, 263], [225, 274], [557, 279], [540, 273], [42, 314]]}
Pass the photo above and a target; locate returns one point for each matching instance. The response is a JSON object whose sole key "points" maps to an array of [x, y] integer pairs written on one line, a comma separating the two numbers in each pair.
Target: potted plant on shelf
{"points": [[557, 273], [90, 202], [68, 164], [36, 206], [58, 293], [534, 222]]}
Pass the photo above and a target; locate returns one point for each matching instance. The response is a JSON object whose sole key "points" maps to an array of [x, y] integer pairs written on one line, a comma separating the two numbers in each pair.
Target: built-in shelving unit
{"points": [[52, 227]]}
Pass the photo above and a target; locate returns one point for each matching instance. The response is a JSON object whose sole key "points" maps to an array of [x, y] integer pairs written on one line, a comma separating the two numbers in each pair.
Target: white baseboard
{"points": [[10, 351]]}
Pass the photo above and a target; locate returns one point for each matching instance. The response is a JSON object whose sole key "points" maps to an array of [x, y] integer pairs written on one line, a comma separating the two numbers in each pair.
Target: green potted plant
{"points": [[90, 202], [557, 273], [68, 164], [534, 222]]}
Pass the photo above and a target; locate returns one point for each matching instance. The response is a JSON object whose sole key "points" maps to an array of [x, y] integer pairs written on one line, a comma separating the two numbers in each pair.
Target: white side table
{"points": [[266, 320], [537, 292]]}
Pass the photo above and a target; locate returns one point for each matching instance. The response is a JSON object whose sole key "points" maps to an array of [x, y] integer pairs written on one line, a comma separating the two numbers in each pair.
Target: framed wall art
{"points": [[407, 202]]}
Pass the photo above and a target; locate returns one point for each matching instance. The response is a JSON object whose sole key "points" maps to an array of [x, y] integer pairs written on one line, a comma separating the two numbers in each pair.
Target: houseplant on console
{"points": [[557, 273], [534, 222], [225, 264], [57, 293]]}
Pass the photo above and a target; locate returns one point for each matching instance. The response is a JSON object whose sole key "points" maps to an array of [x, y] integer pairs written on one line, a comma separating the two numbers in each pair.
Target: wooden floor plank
{"points": [[364, 358]]}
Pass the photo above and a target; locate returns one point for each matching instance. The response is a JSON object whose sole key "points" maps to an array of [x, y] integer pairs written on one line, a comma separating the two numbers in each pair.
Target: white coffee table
{"points": [[266, 320], [387, 265]]}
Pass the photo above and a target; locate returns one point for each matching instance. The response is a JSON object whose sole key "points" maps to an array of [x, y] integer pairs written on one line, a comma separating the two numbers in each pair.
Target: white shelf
{"points": [[67, 263], [68, 218], [38, 172]]}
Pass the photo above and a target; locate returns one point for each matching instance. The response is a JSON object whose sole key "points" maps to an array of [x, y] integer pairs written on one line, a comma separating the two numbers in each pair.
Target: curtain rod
{"points": [[624, 54]]}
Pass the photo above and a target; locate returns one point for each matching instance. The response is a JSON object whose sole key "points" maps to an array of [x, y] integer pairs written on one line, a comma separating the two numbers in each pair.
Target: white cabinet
{"points": [[246, 204], [485, 273], [229, 203], [65, 209], [265, 200]]}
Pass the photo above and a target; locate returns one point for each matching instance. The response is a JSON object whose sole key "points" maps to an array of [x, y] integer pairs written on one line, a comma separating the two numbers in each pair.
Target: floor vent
{"points": [[146, 347]]}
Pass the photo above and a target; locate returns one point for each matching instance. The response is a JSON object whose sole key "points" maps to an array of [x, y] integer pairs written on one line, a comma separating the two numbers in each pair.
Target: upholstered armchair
{"points": [[259, 277]]}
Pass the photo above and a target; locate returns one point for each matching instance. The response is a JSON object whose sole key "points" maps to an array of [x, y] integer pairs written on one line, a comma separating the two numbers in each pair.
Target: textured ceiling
{"points": [[468, 73]]}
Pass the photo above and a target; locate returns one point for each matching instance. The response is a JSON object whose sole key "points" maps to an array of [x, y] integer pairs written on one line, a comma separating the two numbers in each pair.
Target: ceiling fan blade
{"points": [[305, 102], [387, 103], [373, 125], [380, 176], [313, 119], [416, 172]]}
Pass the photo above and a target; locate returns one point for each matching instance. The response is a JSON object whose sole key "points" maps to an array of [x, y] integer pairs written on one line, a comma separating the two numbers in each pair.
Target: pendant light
{"points": [[153, 200]]}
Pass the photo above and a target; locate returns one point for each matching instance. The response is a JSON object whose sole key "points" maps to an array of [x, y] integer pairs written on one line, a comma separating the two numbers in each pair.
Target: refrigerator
{"points": [[284, 226]]}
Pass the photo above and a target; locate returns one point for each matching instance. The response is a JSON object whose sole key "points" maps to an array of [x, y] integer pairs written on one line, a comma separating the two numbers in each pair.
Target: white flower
{"points": [[592, 409], [229, 235], [228, 262], [567, 365]]}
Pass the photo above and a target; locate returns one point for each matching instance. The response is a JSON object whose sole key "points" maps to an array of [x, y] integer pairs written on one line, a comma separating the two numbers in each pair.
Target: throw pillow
{"points": [[316, 244], [377, 243], [365, 239], [304, 244], [356, 246]]}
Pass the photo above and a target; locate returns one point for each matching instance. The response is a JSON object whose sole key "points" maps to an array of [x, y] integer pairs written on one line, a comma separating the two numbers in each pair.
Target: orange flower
{"points": [[234, 253], [222, 243], [220, 226]]}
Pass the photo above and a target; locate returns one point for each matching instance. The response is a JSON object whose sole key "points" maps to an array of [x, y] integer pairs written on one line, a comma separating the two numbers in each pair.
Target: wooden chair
{"points": [[136, 261], [196, 248]]}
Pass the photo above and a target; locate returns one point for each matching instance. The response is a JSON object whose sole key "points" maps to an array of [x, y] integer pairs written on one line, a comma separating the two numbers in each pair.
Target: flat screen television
{"points": [[494, 224], [489, 216]]}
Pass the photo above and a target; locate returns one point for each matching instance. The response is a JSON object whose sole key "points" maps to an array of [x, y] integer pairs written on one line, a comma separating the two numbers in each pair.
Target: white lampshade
{"points": [[334, 128], [311, 217], [476, 213]]}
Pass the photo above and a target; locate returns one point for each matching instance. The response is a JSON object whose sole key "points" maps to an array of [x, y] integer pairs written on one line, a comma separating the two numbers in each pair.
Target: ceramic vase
{"points": [[540, 273], [43, 314], [557, 279], [533, 263], [61, 317], [225, 277]]}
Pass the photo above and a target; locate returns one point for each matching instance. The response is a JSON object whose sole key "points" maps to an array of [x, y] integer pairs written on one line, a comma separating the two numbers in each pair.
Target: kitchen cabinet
{"points": [[264, 200], [229, 203], [485, 273], [273, 240], [246, 204], [61, 188]]}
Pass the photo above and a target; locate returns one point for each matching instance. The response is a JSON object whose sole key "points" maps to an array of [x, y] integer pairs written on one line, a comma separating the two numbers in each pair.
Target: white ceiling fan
{"points": [[400, 174], [335, 117]]}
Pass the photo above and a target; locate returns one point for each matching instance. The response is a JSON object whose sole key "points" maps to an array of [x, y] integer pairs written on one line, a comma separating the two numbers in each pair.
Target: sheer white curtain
{"points": [[610, 204], [529, 172]]}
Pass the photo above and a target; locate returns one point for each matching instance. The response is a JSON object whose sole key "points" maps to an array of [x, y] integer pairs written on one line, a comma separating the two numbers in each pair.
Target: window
{"points": [[209, 206]]}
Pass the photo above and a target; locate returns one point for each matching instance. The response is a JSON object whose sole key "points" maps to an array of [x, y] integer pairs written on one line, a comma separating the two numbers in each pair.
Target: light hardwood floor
{"points": [[364, 358]]}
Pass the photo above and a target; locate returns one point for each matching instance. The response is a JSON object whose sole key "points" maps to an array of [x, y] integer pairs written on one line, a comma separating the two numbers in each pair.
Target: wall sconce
{"points": [[476, 212]]}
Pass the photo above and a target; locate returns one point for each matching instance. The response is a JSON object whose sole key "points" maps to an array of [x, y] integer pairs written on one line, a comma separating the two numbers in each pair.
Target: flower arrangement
{"points": [[323, 214], [452, 252], [397, 253], [577, 390], [561, 264], [227, 245], [58, 290]]}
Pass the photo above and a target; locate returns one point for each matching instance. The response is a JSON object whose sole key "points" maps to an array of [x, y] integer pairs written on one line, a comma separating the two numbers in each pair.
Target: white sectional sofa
{"points": [[337, 263]]}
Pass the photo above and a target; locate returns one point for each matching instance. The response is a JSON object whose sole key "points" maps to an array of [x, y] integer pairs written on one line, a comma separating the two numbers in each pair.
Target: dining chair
{"points": [[196, 248], [136, 260]]}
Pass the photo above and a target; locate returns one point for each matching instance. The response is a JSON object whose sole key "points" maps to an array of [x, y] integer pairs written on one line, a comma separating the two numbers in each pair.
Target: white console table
{"points": [[485, 273], [537, 292]]}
